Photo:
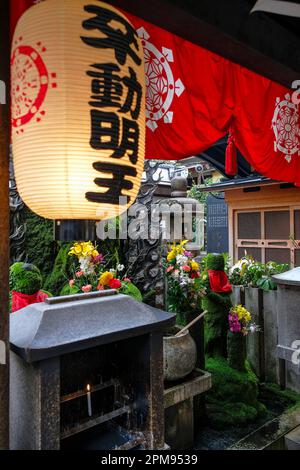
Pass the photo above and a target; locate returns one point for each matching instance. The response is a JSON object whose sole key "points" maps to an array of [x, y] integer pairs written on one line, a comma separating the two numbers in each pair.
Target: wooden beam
{"points": [[4, 224], [184, 24]]}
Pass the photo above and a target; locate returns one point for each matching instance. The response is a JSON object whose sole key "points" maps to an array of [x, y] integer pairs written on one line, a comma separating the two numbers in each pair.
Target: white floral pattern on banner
{"points": [[285, 125], [161, 86]]}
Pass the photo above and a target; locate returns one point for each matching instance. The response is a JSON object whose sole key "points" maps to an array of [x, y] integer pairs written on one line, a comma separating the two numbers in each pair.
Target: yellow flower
{"points": [[105, 278], [194, 265], [84, 249], [95, 253], [242, 313], [171, 256]]}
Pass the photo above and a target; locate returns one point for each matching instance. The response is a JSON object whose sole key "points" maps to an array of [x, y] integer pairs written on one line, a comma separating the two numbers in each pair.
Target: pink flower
{"points": [[176, 272], [169, 269], [79, 274], [234, 324], [98, 259], [188, 254], [126, 279], [186, 269], [87, 288], [71, 282], [100, 287]]}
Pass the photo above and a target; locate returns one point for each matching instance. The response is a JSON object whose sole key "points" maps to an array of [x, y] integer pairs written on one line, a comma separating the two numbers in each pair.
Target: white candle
{"points": [[89, 400]]}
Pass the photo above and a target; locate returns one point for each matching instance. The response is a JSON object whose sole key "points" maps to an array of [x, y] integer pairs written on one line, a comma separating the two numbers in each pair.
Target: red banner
{"points": [[195, 97]]}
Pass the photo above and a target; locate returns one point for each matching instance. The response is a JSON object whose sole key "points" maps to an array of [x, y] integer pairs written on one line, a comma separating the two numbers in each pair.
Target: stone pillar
{"points": [[288, 316]]}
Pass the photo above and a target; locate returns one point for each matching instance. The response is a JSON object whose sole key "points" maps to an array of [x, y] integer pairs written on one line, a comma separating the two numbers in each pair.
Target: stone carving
{"points": [[144, 255], [17, 227]]}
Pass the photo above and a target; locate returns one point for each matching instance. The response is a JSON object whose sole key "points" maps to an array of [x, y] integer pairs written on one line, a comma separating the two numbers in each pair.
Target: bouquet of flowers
{"points": [[240, 321], [92, 273], [185, 288]]}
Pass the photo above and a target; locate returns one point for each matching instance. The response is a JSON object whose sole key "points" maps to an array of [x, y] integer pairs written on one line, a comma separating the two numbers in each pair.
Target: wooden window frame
{"points": [[263, 244]]}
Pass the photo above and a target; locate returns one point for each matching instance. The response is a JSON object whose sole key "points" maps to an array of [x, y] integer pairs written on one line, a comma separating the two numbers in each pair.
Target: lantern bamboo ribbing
{"points": [[58, 154]]}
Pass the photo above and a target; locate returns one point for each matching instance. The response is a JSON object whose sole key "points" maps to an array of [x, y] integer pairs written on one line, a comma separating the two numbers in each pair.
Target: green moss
{"points": [[286, 396], [233, 397], [216, 323], [25, 278], [236, 348], [215, 262], [60, 273]]}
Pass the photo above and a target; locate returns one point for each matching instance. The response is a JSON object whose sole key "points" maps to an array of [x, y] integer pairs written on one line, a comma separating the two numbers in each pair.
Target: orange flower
{"points": [[105, 278]]}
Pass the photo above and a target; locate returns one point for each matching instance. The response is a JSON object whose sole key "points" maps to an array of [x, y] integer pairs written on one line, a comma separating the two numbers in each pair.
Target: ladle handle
{"points": [[191, 323]]}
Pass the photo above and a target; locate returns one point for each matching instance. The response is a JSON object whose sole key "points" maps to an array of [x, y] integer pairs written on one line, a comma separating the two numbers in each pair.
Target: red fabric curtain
{"points": [[196, 97]]}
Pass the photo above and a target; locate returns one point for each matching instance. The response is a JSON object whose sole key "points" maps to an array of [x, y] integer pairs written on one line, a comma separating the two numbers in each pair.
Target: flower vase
{"points": [[236, 348]]}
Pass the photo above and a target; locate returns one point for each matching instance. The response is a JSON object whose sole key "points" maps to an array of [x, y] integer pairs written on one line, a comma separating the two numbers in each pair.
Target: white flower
{"points": [[181, 260], [120, 267], [86, 266]]}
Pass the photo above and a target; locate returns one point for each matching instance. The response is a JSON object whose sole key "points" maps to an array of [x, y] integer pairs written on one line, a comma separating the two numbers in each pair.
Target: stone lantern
{"points": [[182, 218]]}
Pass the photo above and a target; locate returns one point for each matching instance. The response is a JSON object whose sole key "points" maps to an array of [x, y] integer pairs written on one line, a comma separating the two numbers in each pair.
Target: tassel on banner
{"points": [[231, 164]]}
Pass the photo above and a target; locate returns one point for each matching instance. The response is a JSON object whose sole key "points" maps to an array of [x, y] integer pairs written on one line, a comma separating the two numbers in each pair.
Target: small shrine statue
{"points": [[217, 303], [25, 284]]}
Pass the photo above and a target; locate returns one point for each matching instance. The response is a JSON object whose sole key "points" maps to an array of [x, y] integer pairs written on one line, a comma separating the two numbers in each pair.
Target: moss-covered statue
{"points": [[217, 303], [233, 399], [25, 284]]}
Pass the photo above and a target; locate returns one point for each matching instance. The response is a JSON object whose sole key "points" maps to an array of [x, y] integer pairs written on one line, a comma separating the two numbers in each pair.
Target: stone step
{"points": [[292, 439]]}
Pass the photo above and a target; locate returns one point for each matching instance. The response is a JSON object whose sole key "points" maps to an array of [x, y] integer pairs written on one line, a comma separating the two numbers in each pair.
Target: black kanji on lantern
{"points": [[105, 130], [115, 185], [115, 38], [134, 95], [108, 87], [130, 141], [117, 128], [106, 134]]}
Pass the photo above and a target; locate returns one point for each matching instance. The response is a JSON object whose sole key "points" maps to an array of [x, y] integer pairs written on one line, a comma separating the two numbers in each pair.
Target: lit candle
{"points": [[89, 400]]}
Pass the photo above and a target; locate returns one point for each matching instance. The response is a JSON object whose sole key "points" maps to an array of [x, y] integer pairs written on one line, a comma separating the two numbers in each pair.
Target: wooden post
{"points": [[4, 222]]}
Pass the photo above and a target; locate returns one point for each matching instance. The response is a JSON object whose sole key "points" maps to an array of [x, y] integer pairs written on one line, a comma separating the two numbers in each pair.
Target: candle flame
{"points": [[88, 388]]}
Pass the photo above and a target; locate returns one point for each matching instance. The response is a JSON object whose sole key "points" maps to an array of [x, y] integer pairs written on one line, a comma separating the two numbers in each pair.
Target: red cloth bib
{"points": [[20, 300], [219, 282]]}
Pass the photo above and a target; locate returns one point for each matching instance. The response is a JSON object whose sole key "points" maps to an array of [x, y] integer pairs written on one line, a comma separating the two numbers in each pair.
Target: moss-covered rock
{"points": [[233, 398]]}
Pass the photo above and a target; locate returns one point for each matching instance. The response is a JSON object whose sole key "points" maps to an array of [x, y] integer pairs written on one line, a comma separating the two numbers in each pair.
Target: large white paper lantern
{"points": [[78, 101]]}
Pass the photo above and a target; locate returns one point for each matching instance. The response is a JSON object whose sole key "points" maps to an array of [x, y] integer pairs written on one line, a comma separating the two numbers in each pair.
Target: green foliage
{"points": [[69, 290], [60, 273], [251, 273], [233, 398], [25, 278], [39, 246], [130, 289]]}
